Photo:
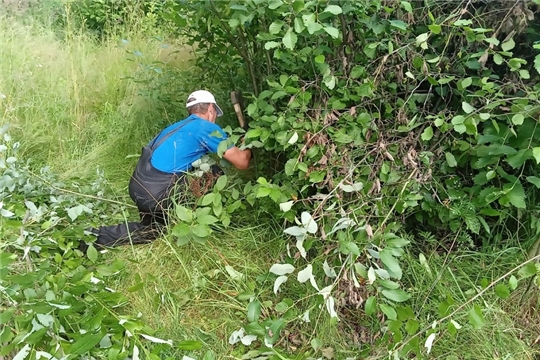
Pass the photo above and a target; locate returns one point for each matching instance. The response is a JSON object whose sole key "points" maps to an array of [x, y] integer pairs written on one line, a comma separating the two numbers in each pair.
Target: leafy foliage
{"points": [[377, 119], [56, 302], [105, 17]]}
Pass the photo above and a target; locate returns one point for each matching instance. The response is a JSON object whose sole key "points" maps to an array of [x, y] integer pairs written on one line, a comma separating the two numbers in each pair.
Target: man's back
{"points": [[192, 141]]}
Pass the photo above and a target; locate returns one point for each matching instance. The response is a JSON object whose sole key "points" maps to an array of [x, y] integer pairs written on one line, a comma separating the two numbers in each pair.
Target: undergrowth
{"points": [[85, 105]]}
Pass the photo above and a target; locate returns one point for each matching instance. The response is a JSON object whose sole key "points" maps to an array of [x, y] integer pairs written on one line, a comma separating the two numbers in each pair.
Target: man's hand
{"points": [[239, 158]]}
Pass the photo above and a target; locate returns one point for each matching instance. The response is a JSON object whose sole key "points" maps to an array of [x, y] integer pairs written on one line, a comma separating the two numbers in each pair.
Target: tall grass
{"points": [[71, 100]]}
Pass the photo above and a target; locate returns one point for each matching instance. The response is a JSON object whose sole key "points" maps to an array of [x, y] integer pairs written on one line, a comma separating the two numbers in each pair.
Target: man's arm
{"points": [[239, 158]]}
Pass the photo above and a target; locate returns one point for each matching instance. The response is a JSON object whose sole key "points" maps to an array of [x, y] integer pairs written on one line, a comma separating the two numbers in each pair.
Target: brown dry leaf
{"points": [[483, 59], [369, 231], [402, 116], [425, 69], [389, 156], [399, 73], [411, 158], [291, 100], [352, 111]]}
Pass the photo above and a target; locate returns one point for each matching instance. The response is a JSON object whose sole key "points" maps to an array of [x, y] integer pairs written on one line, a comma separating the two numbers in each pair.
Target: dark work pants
{"points": [[153, 193], [141, 232]]}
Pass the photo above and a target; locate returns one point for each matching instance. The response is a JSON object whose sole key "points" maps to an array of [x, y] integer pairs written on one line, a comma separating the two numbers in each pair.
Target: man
{"points": [[162, 167]]}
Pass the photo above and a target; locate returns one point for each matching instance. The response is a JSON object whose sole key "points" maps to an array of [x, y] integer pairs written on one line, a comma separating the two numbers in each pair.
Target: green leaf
{"points": [[450, 159], [463, 22], [508, 45], [399, 24], [527, 271], [407, 6], [201, 230], [388, 311], [391, 263], [468, 108], [396, 295], [6, 259], [537, 63], [84, 344], [319, 59], [333, 9], [388, 284], [222, 147], [524, 74], [235, 275], [457, 120], [516, 196], [484, 116], [434, 28], [298, 25], [271, 45], [263, 192], [518, 159], [298, 5], [465, 83], [275, 27], [189, 345], [498, 59], [254, 329], [502, 291], [207, 199], [536, 154], [290, 39], [517, 119], [290, 166], [332, 31], [314, 27], [92, 253], [274, 4], [422, 38], [221, 182], [476, 319], [512, 282], [273, 333], [207, 219], [427, 134], [534, 180], [357, 71], [5, 316], [370, 305], [493, 41], [282, 307], [184, 213], [254, 311]]}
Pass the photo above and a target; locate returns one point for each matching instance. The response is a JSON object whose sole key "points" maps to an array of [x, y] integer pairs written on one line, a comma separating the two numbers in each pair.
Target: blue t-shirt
{"points": [[187, 145]]}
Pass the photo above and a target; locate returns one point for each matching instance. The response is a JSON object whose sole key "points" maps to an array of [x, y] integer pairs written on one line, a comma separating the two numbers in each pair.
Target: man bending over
{"points": [[162, 167]]}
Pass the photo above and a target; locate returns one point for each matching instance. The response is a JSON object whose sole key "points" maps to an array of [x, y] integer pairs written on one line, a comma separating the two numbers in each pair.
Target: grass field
{"points": [[74, 105]]}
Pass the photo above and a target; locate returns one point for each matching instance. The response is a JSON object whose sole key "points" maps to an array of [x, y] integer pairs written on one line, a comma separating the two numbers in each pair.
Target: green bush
{"points": [[111, 16], [377, 120]]}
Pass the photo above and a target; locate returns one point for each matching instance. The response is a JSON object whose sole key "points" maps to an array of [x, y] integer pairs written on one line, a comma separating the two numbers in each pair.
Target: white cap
{"points": [[203, 97]]}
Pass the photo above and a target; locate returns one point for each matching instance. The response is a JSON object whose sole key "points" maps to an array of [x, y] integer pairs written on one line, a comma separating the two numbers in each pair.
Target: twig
{"points": [[26, 253], [80, 194]]}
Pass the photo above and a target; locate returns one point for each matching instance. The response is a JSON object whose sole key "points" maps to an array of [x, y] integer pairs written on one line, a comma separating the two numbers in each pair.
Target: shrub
{"points": [[376, 120]]}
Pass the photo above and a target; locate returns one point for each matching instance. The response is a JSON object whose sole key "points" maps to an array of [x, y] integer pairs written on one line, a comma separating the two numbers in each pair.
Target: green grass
{"points": [[71, 102], [187, 292], [73, 108], [460, 277]]}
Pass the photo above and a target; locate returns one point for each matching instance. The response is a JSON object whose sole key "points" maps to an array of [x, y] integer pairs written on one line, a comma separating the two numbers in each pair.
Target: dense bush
{"points": [[109, 16], [378, 120]]}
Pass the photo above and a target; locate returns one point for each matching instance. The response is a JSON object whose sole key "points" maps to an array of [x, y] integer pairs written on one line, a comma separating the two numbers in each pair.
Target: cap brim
{"points": [[219, 111]]}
